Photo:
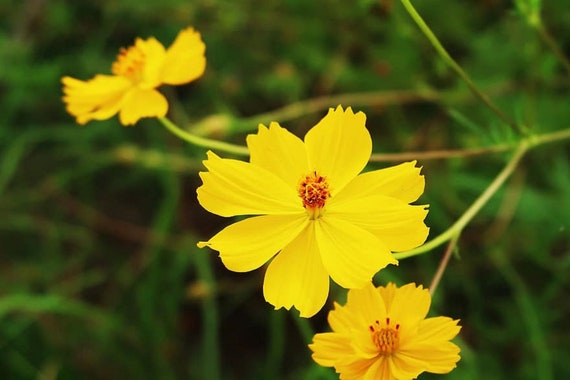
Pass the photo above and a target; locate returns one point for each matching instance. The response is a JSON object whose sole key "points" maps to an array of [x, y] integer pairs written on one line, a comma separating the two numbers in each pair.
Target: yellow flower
{"points": [[137, 72], [382, 334], [317, 212]]}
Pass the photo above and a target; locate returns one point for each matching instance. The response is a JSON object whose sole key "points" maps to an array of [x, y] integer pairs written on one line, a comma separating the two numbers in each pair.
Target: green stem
{"points": [[458, 226], [297, 109], [226, 124], [455, 66], [453, 153], [157, 159], [203, 142], [547, 38], [443, 264], [548, 137], [440, 154]]}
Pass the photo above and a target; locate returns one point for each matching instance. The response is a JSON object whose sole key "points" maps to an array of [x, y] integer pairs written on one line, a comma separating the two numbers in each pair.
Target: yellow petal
{"points": [[140, 103], [340, 319], [362, 343], [410, 306], [438, 329], [97, 99], [402, 182], [387, 293], [353, 368], [339, 147], [154, 54], [443, 359], [327, 347], [185, 60], [280, 152], [405, 367], [296, 277], [435, 351], [366, 306], [379, 369], [248, 244], [398, 225], [350, 254], [233, 187]]}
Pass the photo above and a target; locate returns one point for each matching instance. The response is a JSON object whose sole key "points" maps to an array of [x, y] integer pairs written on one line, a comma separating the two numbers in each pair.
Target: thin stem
{"points": [[453, 153], [456, 67], [458, 226], [227, 124], [157, 159], [203, 142], [309, 106], [439, 154], [548, 137], [547, 38], [443, 264], [375, 98]]}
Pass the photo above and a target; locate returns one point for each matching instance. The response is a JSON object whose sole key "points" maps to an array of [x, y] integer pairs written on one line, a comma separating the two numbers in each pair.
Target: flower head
{"points": [[382, 333], [316, 214], [137, 72]]}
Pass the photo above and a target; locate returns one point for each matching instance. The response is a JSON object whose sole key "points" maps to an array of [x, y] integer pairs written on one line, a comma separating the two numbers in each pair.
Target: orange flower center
{"points": [[314, 192], [130, 63], [386, 337]]}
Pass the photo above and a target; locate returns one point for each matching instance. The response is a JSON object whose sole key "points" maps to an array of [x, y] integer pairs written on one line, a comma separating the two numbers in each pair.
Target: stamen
{"points": [[314, 192], [386, 339], [129, 63]]}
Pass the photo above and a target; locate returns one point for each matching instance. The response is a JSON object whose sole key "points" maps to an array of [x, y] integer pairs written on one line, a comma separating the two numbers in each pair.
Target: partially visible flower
{"points": [[382, 334], [318, 214], [137, 72]]}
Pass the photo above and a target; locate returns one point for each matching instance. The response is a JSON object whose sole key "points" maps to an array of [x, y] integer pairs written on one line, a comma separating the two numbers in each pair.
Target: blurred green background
{"points": [[100, 277]]}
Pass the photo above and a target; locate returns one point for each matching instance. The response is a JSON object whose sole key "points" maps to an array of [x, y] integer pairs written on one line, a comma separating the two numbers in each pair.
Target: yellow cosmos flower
{"points": [[137, 72], [316, 211], [382, 334]]}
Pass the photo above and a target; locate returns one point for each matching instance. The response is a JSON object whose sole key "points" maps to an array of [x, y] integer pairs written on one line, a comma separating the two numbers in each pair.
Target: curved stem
{"points": [[439, 154], [203, 142], [455, 66], [229, 124], [153, 158], [297, 109], [458, 226]]}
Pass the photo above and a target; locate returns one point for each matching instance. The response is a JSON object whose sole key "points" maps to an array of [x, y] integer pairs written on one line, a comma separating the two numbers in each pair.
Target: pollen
{"points": [[314, 192], [385, 337], [129, 63]]}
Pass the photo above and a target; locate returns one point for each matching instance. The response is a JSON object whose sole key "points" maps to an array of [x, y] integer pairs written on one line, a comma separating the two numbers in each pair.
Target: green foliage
{"points": [[100, 277]]}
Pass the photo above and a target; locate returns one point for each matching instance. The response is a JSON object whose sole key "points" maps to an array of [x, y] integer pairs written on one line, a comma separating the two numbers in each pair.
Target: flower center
{"points": [[386, 337], [314, 192], [130, 63]]}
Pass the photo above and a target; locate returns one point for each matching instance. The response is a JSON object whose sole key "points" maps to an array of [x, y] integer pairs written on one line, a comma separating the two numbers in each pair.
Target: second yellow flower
{"points": [[137, 72]]}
